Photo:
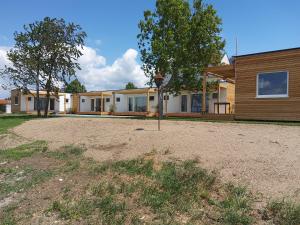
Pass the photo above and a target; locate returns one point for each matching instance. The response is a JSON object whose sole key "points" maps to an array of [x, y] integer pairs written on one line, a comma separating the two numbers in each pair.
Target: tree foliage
{"points": [[75, 87], [130, 85], [45, 55], [180, 40]]}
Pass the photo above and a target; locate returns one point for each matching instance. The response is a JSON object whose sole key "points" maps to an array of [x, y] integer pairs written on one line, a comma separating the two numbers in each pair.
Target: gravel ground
{"points": [[264, 157]]}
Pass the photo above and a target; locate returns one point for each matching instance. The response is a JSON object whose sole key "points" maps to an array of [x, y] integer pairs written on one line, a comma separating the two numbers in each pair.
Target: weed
{"points": [[134, 167], [23, 151], [236, 206], [285, 212]]}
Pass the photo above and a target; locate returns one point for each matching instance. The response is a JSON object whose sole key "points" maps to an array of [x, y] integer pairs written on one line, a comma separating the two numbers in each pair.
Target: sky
{"points": [[111, 57]]}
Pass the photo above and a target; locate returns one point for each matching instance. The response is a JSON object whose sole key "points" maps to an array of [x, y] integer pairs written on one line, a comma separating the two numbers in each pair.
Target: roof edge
{"points": [[267, 52]]}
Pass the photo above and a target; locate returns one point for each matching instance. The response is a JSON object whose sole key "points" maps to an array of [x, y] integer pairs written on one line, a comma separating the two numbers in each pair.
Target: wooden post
{"points": [[26, 100], [65, 103], [204, 93], [148, 102], [114, 103], [166, 106], [102, 103]]}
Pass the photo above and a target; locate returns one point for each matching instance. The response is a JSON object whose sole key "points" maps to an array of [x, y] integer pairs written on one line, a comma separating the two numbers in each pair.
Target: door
{"points": [[197, 103], [183, 103], [52, 103], [98, 105], [92, 105], [130, 104]]}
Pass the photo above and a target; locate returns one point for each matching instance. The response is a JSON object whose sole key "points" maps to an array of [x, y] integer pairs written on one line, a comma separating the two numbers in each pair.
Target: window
{"points": [[166, 97], [42, 104], [83, 100], [67, 100], [151, 98], [29, 99], [118, 99], [183, 103], [140, 104], [16, 100], [215, 95], [272, 85], [107, 99]]}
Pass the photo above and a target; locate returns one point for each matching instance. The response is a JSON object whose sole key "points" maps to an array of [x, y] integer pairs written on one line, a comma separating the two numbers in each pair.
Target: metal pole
{"points": [[158, 100]]}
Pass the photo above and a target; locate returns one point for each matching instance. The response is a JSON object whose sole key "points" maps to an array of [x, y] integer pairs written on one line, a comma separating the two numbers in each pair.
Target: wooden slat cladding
{"points": [[15, 108], [247, 106]]}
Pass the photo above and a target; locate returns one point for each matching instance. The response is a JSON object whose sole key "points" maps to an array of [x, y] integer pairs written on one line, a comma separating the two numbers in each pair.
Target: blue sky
{"points": [[259, 25]]}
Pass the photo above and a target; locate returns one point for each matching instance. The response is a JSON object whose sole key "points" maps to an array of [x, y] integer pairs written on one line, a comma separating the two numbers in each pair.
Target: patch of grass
{"points": [[71, 166], [236, 207], [67, 152], [7, 217], [23, 151], [134, 167], [284, 212], [22, 180], [8, 122]]}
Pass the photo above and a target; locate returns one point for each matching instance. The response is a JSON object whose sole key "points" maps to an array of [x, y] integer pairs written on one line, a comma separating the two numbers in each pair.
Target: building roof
{"points": [[4, 102], [267, 52]]}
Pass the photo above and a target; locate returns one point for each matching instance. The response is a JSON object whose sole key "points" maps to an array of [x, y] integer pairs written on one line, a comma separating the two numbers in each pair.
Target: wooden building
{"points": [[268, 85]]}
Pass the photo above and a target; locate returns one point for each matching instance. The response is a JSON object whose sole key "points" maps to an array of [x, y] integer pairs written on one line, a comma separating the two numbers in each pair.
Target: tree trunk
{"points": [[47, 98], [38, 106]]}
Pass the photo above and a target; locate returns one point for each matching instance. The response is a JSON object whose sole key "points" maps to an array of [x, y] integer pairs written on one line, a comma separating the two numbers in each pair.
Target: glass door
{"points": [[52, 103], [92, 105], [130, 104], [98, 104]]}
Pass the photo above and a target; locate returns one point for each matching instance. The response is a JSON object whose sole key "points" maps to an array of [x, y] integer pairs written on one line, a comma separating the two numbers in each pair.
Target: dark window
{"points": [[107, 99], [183, 103], [272, 84], [42, 103], [118, 99], [67, 100], [166, 97], [29, 99], [52, 103], [92, 105], [197, 103], [151, 98], [82, 100], [215, 95], [16, 100], [140, 104]]}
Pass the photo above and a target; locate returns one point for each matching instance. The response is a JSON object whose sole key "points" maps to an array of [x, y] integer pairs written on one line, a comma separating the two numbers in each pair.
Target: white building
{"points": [[59, 103]]}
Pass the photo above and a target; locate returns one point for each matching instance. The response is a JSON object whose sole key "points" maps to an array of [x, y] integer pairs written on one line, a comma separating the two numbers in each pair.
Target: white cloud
{"points": [[96, 75], [3, 61]]}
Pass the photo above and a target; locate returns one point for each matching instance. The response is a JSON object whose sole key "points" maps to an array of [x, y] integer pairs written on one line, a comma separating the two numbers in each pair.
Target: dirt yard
{"points": [[264, 157]]}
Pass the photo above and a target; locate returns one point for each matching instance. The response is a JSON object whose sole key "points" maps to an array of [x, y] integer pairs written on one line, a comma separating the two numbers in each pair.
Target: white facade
{"points": [[8, 108], [62, 103], [186, 102]]}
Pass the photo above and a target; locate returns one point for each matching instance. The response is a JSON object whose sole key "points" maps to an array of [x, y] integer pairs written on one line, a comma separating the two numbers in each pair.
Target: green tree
{"points": [[75, 87], [63, 44], [130, 85], [180, 40], [26, 61], [45, 55]]}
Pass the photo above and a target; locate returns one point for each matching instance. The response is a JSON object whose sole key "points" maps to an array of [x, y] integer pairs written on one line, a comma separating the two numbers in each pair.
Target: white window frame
{"points": [[272, 96]]}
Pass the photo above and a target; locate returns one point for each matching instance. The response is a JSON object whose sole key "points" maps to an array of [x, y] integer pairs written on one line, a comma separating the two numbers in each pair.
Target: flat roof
{"points": [[266, 52]]}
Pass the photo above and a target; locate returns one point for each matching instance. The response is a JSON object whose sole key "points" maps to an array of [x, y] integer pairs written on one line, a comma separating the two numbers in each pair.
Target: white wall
{"points": [[8, 108], [85, 106], [69, 103], [122, 105]]}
